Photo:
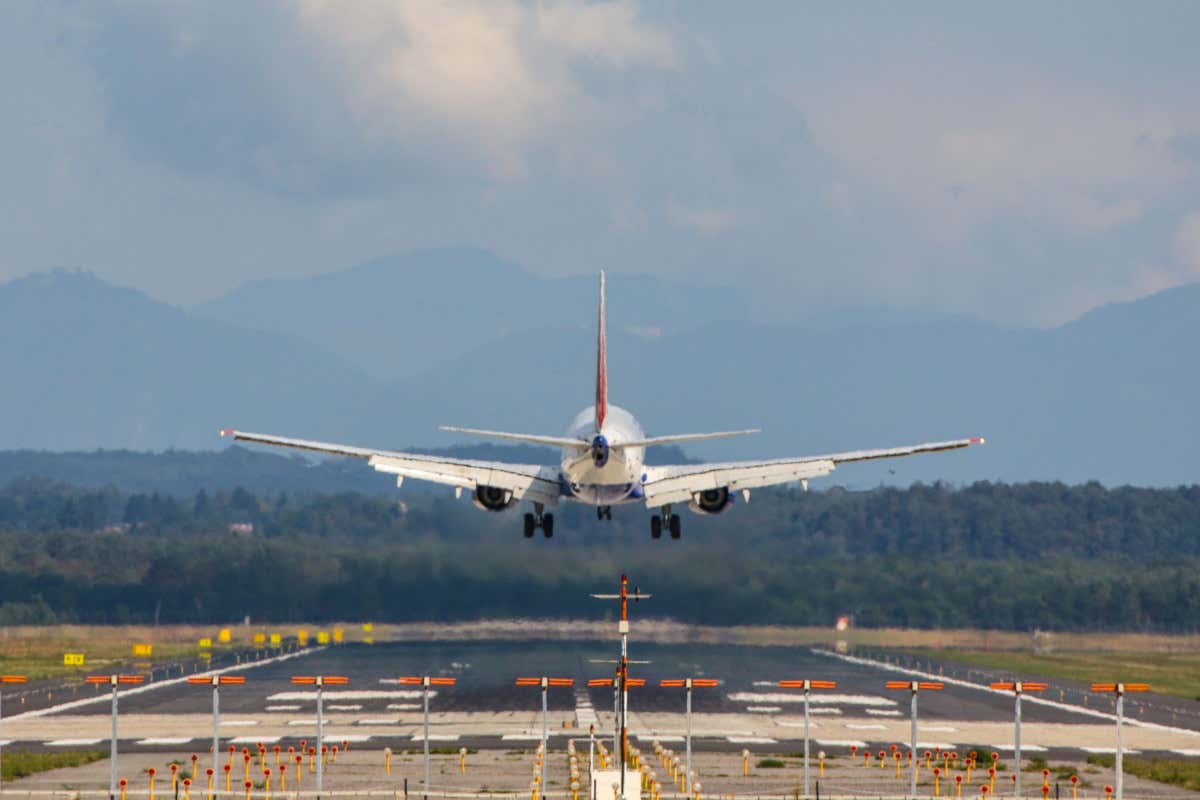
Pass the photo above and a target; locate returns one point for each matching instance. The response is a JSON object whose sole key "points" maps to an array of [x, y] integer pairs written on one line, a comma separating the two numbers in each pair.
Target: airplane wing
{"points": [[677, 484], [533, 482]]}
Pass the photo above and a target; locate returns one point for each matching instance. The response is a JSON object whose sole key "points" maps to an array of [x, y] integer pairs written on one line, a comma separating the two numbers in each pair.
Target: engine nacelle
{"points": [[711, 501], [493, 498]]}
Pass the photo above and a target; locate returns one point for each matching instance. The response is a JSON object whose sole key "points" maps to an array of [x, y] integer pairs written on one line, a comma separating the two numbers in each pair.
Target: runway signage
{"points": [[72, 659], [143, 650]]}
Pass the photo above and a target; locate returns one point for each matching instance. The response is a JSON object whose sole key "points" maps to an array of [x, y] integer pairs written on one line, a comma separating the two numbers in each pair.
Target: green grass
{"points": [[770, 763], [1181, 772], [20, 763], [1170, 673]]}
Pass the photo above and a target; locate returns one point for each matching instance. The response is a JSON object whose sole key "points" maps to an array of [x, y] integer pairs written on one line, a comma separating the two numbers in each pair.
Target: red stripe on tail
{"points": [[601, 365]]}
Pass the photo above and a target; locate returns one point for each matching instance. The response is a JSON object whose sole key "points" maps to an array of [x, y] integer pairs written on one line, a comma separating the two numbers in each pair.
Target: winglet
{"points": [[227, 432], [977, 440], [601, 364]]}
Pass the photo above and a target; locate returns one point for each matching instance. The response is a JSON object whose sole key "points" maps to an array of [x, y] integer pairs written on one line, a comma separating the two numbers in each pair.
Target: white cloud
{"points": [[704, 221]]}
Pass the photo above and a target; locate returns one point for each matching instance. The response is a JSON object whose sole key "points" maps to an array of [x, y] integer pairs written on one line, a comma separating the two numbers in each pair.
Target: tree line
{"points": [[1006, 556]]}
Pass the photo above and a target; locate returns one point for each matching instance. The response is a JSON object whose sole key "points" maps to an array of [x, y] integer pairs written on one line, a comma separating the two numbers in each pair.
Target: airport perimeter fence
{"points": [[1165, 793]]}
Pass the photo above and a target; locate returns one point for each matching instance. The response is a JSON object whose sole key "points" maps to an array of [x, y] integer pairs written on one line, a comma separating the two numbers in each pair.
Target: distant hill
{"points": [[87, 365]]}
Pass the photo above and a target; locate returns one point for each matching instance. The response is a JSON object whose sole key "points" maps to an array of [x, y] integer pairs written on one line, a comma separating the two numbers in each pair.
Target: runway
{"points": [[486, 711]]}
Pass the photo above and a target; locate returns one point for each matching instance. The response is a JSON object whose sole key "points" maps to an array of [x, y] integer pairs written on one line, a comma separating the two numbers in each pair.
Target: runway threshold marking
{"points": [[163, 740], [71, 742], [1025, 698], [253, 739], [751, 740], [436, 737], [106, 697], [1034, 748]]}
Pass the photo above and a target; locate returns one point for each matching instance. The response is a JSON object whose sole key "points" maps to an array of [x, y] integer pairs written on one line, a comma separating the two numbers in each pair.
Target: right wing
{"points": [[531, 482], [677, 484]]}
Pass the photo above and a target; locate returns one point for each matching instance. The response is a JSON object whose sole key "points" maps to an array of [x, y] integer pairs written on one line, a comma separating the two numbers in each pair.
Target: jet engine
{"points": [[493, 498], [711, 501]]}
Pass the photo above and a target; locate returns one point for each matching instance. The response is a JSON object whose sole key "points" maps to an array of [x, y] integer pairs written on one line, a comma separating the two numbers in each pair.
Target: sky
{"points": [[1019, 162]]}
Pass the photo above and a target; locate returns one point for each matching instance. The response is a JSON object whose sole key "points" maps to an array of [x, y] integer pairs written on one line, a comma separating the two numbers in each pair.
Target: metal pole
{"points": [[216, 726], [912, 784], [1017, 740], [112, 766], [617, 715], [320, 739], [425, 703], [689, 728], [545, 729], [1, 743], [806, 784], [591, 762], [1120, 749]]}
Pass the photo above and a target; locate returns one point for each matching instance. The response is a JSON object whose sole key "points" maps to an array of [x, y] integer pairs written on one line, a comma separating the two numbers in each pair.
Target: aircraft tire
{"points": [[547, 525], [655, 527], [676, 527], [530, 524]]}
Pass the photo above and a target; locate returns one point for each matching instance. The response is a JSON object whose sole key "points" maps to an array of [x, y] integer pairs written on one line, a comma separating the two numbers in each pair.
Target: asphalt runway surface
{"points": [[860, 708]]}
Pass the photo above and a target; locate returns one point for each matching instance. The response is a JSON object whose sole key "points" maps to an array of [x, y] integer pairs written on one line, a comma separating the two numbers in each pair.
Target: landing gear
{"points": [[668, 520], [538, 520], [604, 512]]}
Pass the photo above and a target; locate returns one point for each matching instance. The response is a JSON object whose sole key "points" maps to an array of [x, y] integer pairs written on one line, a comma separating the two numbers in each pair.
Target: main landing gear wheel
{"points": [[655, 527], [676, 527], [530, 525], [547, 525]]}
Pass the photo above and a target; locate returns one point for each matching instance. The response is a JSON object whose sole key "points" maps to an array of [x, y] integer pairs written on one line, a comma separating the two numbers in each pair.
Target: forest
{"points": [[1003, 556]]}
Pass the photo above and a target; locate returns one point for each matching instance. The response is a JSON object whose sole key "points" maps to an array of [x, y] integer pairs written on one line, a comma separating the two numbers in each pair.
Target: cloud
{"points": [[704, 221]]}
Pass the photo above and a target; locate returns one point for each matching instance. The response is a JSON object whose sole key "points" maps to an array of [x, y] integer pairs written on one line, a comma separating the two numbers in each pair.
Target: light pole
{"points": [[6, 679], [916, 687], [623, 668], [114, 681], [1018, 688], [425, 681], [807, 685], [320, 681], [689, 684], [1120, 689], [545, 683], [216, 681]]}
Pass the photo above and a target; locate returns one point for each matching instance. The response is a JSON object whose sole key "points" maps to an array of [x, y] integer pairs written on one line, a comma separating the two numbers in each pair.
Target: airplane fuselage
{"points": [[602, 474]]}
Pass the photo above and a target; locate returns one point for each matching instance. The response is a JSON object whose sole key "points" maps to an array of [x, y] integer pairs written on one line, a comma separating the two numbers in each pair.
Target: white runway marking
{"points": [[334, 737], [939, 728], [1033, 748], [312, 722], [813, 699], [857, 726], [379, 721], [254, 739], [71, 742], [352, 694], [149, 687], [517, 737], [1187, 752], [238, 723], [436, 737], [404, 706], [1105, 750], [938, 745], [764, 709], [166, 740], [812, 711], [841, 743], [750, 740], [6, 742], [884, 712], [347, 707], [283, 708], [669, 737], [765, 683]]}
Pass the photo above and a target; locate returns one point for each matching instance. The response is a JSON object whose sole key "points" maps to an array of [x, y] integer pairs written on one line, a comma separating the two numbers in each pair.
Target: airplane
{"points": [[602, 465]]}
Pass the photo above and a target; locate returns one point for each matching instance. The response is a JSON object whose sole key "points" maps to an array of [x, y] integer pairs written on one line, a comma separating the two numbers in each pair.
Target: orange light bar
{"points": [[443, 681], [308, 680], [635, 682], [410, 680], [419, 680], [811, 684], [13, 679], [600, 682], [549, 681], [1115, 687], [696, 682], [1026, 686], [116, 679], [212, 680], [926, 686]]}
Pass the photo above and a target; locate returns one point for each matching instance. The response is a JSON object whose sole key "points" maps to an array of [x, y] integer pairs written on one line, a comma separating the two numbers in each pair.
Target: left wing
{"points": [[531, 482], [677, 484]]}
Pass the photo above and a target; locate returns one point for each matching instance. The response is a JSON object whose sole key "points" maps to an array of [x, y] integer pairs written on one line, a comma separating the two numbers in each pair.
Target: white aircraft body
{"points": [[602, 464]]}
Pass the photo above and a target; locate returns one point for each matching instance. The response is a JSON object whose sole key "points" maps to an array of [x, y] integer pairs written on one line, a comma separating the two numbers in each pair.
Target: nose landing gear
{"points": [[604, 512]]}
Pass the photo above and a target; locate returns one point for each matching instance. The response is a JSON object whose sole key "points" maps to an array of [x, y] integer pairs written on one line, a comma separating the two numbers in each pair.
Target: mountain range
{"points": [[382, 353]]}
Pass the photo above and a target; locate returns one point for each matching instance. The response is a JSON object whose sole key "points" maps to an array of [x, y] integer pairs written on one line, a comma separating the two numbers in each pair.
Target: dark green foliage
{"points": [[1182, 772], [991, 555]]}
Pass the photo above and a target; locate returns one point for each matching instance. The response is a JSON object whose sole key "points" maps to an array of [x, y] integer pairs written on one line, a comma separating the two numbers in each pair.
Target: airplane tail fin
{"points": [[601, 364]]}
